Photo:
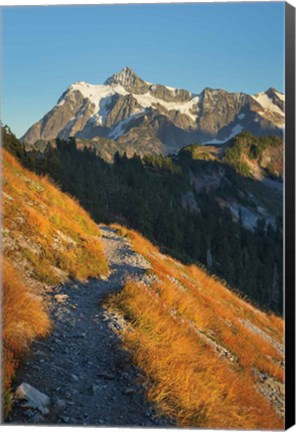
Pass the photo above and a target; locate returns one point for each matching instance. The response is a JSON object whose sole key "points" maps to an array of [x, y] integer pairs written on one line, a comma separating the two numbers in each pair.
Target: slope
{"points": [[212, 360], [198, 352], [46, 238], [200, 211], [256, 157]]}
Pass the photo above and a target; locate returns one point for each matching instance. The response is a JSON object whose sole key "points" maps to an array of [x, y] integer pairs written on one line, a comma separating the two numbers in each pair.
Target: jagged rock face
{"points": [[59, 121], [175, 117], [275, 98], [129, 81], [143, 139], [123, 108], [219, 109], [169, 95]]}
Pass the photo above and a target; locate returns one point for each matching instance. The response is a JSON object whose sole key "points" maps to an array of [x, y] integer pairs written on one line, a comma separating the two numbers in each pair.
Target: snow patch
{"points": [[267, 103], [95, 93], [70, 124], [120, 128], [241, 116], [214, 141], [147, 101], [237, 129], [99, 96], [281, 96], [172, 89]]}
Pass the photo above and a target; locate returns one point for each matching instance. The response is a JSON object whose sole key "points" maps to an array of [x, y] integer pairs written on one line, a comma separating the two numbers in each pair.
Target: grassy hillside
{"points": [[211, 358], [199, 211], [201, 152], [46, 238], [251, 156], [256, 157]]}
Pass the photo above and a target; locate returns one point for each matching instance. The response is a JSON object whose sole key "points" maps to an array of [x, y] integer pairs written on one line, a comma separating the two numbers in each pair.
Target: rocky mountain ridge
{"points": [[128, 110]]}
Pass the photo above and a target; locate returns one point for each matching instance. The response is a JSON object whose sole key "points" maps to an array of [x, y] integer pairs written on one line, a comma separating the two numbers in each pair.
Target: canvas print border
{"points": [[119, 304]]}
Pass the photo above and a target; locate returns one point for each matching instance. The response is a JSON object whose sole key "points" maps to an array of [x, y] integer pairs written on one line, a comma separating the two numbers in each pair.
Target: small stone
{"points": [[74, 378], [29, 413], [129, 391], [61, 298], [101, 386], [106, 376], [38, 418], [93, 389], [40, 353], [65, 419], [60, 404]]}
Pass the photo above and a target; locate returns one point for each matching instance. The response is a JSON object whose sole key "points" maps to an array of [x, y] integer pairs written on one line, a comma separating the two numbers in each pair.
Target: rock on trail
{"points": [[81, 367]]}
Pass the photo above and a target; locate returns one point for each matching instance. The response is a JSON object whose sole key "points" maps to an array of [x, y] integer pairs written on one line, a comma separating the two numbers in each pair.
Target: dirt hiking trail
{"points": [[81, 367]]}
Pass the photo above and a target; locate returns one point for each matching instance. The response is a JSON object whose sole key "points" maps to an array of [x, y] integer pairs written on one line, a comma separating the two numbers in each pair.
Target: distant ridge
{"points": [[131, 111]]}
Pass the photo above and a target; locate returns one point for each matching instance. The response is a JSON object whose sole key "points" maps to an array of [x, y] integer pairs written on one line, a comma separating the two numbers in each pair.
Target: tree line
{"points": [[148, 195]]}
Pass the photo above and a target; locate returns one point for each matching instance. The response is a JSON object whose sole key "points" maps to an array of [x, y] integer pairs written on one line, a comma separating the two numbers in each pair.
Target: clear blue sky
{"points": [[234, 46]]}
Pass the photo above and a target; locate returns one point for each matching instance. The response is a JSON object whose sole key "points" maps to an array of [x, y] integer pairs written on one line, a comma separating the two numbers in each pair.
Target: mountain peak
{"points": [[129, 80], [127, 71], [272, 92], [124, 76]]}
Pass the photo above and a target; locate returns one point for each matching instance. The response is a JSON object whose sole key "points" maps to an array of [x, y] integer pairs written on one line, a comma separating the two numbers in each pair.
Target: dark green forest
{"points": [[148, 195]]}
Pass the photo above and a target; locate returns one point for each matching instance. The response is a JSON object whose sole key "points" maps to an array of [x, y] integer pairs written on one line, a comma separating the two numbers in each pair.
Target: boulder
{"points": [[33, 397]]}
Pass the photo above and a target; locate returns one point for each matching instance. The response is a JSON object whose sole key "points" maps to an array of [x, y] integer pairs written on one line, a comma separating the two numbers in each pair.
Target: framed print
{"points": [[148, 215]]}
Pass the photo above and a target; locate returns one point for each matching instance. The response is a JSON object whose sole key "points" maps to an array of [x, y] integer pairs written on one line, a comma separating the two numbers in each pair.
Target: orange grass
{"points": [[50, 228], [51, 235], [171, 321], [23, 319]]}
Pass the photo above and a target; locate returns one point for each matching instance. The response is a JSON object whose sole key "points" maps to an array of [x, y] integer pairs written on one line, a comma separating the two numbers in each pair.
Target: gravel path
{"points": [[81, 367]]}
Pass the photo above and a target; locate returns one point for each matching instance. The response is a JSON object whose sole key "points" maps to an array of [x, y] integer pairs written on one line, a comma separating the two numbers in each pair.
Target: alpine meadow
{"points": [[142, 221]]}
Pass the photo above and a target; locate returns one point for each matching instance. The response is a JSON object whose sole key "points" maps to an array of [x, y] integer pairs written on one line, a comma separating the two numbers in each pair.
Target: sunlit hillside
{"points": [[46, 238], [211, 359]]}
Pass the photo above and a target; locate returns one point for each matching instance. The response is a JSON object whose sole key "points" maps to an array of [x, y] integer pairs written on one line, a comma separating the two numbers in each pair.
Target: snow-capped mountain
{"points": [[130, 111]]}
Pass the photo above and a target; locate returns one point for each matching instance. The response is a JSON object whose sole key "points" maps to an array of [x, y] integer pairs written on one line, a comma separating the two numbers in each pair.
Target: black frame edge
{"points": [[289, 262]]}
